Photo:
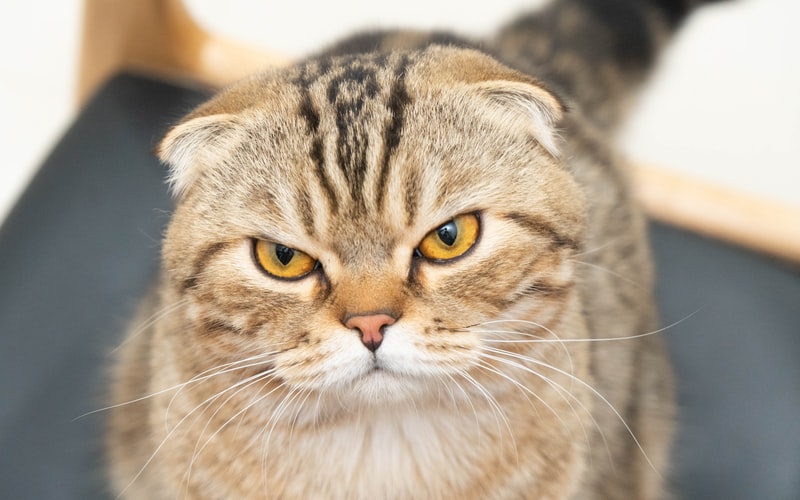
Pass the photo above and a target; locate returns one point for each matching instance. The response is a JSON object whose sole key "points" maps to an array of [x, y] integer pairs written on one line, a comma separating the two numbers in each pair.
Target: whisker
{"points": [[469, 400], [172, 431], [495, 406], [596, 249], [276, 415], [265, 356], [611, 272], [298, 407], [591, 339], [197, 378], [526, 391], [561, 390], [556, 337], [197, 451], [259, 377], [153, 319], [593, 391]]}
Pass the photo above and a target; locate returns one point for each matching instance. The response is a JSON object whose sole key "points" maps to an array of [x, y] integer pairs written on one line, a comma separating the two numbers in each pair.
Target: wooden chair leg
{"points": [[159, 36]]}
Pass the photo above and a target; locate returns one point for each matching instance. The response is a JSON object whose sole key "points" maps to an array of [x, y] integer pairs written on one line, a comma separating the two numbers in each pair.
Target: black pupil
{"points": [[284, 254], [448, 233]]}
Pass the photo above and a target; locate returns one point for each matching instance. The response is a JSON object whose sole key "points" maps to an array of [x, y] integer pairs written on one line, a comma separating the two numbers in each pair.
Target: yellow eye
{"points": [[281, 261], [452, 239]]}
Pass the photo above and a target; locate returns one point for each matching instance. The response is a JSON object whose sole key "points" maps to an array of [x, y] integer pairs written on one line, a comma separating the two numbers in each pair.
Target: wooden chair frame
{"points": [[160, 37]]}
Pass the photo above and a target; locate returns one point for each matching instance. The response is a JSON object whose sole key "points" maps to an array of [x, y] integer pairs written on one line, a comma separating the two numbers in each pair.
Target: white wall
{"points": [[38, 59], [724, 105]]}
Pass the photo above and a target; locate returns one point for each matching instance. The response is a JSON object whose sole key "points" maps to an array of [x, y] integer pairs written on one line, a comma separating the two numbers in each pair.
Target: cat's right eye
{"points": [[281, 261]]}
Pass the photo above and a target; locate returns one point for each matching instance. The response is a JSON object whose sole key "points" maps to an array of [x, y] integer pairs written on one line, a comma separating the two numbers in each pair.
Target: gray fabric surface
{"points": [[82, 244], [738, 364], [75, 253]]}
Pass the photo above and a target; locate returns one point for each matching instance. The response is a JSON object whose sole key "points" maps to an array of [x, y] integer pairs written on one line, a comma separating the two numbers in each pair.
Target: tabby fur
{"points": [[525, 368]]}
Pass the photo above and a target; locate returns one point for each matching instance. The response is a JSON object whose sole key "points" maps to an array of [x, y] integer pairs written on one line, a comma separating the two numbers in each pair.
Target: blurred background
{"points": [[724, 104]]}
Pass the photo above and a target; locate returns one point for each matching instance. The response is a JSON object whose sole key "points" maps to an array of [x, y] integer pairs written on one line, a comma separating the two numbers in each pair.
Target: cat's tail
{"points": [[597, 51]]}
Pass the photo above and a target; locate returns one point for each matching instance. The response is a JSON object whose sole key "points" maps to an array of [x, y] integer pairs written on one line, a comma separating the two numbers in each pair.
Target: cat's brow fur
{"points": [[506, 372]]}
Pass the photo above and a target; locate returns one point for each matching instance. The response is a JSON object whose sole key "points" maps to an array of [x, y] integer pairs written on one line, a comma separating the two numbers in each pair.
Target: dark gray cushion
{"points": [[77, 250], [738, 364], [82, 245]]}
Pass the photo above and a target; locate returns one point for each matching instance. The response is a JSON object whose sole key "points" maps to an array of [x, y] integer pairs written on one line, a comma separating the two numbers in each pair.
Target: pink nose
{"points": [[371, 327]]}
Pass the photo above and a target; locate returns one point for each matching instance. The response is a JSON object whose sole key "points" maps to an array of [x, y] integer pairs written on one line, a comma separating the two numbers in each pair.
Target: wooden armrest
{"points": [[756, 223]]}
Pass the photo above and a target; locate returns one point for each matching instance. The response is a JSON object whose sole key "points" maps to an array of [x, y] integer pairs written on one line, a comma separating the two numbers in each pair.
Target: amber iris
{"points": [[452, 239], [281, 261]]}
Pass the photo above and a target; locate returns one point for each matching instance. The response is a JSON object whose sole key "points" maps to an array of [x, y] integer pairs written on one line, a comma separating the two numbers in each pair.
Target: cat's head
{"points": [[358, 217]]}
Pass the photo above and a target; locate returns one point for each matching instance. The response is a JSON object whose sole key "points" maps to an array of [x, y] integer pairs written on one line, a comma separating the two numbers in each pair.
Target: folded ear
{"points": [[538, 107], [196, 144], [507, 90]]}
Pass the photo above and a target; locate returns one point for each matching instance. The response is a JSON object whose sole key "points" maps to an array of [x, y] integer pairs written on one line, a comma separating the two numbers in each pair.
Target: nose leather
{"points": [[371, 327]]}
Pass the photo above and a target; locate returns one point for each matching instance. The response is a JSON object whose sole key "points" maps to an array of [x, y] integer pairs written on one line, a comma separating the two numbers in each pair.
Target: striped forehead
{"points": [[353, 110], [368, 156]]}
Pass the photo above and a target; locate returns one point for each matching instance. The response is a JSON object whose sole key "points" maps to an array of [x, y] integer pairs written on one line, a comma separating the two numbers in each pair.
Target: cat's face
{"points": [[358, 218]]}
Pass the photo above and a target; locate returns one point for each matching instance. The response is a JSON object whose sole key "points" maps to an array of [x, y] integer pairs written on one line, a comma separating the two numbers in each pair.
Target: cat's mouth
{"points": [[378, 370], [376, 367], [385, 373]]}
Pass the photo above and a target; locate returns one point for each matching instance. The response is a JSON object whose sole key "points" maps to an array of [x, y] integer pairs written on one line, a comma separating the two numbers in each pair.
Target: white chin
{"points": [[381, 387]]}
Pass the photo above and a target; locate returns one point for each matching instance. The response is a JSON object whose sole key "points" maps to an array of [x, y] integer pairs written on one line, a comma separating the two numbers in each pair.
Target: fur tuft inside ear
{"points": [[541, 109], [195, 144], [507, 89]]}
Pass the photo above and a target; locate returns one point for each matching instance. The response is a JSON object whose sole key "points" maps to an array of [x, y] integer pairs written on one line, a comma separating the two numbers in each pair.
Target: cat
{"points": [[408, 267]]}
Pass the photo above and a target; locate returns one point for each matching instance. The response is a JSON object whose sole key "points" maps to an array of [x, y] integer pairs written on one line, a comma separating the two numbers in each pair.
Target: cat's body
{"points": [[377, 367]]}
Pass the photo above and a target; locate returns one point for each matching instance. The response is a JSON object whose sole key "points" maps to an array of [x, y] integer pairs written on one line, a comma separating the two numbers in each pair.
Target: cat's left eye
{"points": [[281, 261], [452, 239]]}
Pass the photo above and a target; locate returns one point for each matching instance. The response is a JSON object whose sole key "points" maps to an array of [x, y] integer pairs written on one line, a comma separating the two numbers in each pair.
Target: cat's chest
{"points": [[382, 456]]}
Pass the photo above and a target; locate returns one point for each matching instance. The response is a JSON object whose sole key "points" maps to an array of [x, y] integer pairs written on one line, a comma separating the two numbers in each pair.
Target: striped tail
{"points": [[597, 51]]}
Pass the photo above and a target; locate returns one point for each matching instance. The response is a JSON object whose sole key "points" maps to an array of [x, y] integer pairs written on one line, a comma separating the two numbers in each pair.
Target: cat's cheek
{"points": [[407, 352]]}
